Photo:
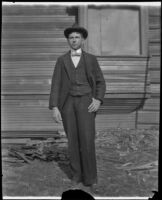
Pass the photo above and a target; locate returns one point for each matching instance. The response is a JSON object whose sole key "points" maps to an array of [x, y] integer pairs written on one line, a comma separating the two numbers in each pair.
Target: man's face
{"points": [[75, 40]]}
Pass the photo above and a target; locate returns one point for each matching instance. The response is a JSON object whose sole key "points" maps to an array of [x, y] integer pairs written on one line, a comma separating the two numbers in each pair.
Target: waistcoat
{"points": [[80, 85]]}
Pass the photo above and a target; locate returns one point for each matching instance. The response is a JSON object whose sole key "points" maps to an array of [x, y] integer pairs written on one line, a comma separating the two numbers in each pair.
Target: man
{"points": [[77, 91]]}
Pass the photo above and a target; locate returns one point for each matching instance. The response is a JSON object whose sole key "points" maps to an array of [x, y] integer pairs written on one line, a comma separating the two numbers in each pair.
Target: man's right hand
{"points": [[57, 115]]}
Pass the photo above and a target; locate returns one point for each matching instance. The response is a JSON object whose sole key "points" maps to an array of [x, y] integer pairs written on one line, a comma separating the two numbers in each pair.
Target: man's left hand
{"points": [[94, 106]]}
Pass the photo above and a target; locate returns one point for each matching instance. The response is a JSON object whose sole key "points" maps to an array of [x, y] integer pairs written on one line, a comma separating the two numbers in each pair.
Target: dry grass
{"points": [[126, 161]]}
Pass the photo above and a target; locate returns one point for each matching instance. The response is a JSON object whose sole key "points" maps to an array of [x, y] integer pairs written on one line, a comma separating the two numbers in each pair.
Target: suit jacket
{"points": [[61, 79]]}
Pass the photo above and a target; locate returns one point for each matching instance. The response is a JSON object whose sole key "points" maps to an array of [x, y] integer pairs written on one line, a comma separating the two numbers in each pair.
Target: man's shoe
{"points": [[75, 182], [94, 189]]}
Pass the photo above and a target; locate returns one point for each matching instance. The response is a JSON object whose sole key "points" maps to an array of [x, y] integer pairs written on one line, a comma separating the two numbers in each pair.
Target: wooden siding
{"points": [[149, 115], [32, 40]]}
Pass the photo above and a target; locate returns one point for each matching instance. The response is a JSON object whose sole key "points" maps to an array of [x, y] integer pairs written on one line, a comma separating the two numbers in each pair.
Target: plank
{"points": [[154, 35], [57, 49], [115, 120], [27, 63], [94, 28], [36, 26], [152, 104], [154, 76], [15, 141], [31, 57], [155, 49], [155, 88], [14, 41], [154, 11], [147, 126], [155, 63], [30, 127], [37, 19], [34, 43], [154, 20], [120, 59], [32, 34], [16, 98], [148, 117], [36, 9], [25, 135]]}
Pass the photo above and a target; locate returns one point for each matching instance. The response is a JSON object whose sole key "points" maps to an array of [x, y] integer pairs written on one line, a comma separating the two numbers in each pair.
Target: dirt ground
{"points": [[127, 163]]}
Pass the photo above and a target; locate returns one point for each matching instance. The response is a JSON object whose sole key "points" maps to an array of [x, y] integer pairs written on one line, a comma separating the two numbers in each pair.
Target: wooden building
{"points": [[126, 41]]}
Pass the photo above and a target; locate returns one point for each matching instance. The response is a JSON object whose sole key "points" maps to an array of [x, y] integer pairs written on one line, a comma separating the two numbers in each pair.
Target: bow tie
{"points": [[75, 54]]}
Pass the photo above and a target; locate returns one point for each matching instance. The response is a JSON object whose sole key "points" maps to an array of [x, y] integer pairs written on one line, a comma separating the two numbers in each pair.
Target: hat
{"points": [[76, 28]]}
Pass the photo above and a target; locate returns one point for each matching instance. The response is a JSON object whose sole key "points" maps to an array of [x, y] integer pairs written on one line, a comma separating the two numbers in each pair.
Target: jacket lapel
{"points": [[67, 63], [87, 66]]}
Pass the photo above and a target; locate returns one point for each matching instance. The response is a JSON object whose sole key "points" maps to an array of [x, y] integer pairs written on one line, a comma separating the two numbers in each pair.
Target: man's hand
{"points": [[94, 106], [57, 115]]}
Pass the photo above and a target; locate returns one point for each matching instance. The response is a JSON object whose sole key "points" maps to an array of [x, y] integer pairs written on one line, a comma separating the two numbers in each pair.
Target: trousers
{"points": [[79, 126]]}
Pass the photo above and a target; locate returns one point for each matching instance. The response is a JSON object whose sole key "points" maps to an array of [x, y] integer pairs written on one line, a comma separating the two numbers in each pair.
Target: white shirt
{"points": [[76, 59]]}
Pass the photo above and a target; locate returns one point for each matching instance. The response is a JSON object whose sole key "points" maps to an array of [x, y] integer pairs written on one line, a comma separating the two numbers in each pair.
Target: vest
{"points": [[79, 83]]}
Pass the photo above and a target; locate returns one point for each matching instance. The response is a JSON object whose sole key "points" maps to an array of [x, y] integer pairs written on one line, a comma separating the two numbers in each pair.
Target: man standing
{"points": [[77, 91]]}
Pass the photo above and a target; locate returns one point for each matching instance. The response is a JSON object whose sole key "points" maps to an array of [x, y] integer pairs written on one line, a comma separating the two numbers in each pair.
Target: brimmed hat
{"points": [[76, 28]]}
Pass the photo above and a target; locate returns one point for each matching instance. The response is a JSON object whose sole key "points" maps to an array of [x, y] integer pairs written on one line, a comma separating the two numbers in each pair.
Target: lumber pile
{"points": [[50, 149]]}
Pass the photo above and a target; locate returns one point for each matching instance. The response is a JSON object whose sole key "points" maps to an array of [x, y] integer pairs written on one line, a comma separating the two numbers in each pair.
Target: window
{"points": [[116, 31]]}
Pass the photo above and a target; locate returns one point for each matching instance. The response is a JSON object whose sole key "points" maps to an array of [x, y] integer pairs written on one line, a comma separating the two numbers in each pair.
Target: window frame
{"points": [[143, 27]]}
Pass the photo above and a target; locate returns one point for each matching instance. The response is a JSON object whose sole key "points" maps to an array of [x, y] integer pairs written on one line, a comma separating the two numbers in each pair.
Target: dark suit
{"points": [[78, 123]]}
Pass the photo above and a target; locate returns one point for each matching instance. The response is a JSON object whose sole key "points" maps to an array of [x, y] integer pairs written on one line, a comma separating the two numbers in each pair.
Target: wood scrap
{"points": [[46, 150], [22, 156], [113, 160], [12, 160], [148, 166]]}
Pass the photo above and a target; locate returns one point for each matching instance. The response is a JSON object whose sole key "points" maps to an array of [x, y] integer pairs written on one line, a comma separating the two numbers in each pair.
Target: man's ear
{"points": [[83, 40]]}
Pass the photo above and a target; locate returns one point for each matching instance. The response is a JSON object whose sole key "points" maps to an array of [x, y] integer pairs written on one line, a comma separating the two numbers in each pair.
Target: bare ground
{"points": [[127, 163]]}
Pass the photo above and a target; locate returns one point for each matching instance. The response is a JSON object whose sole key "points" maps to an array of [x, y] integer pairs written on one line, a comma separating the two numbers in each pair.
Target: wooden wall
{"points": [[149, 115], [32, 39]]}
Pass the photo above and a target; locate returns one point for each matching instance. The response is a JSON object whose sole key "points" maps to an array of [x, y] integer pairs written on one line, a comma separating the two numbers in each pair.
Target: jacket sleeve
{"points": [[55, 85], [100, 82]]}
